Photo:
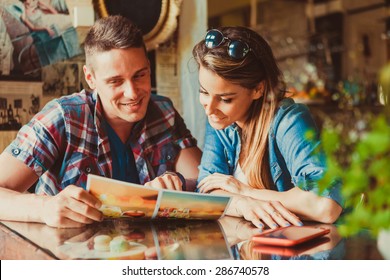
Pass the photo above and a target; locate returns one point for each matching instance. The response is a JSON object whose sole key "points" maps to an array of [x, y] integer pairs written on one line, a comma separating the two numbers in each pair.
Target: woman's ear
{"points": [[258, 91]]}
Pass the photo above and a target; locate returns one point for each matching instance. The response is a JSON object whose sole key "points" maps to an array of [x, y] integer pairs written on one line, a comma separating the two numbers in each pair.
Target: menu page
{"points": [[122, 199]]}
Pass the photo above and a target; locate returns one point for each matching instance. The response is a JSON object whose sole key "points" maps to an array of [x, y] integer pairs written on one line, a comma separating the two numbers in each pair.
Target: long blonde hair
{"points": [[258, 70]]}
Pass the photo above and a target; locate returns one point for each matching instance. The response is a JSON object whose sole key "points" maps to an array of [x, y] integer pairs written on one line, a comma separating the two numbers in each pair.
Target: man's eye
{"points": [[115, 82], [203, 92], [141, 75], [226, 100]]}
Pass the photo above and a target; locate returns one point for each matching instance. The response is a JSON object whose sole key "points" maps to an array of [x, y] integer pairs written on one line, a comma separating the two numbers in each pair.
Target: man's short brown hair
{"points": [[112, 32]]}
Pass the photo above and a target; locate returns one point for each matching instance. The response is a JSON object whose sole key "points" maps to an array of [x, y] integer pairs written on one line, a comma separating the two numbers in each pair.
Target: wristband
{"points": [[183, 181], [181, 177]]}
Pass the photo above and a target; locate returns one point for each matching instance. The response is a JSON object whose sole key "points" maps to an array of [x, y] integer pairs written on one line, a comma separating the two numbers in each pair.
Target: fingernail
{"points": [[300, 224], [287, 224], [275, 225], [261, 225]]}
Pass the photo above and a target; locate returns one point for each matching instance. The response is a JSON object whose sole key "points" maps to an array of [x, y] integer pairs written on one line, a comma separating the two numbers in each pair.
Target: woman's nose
{"points": [[209, 107]]}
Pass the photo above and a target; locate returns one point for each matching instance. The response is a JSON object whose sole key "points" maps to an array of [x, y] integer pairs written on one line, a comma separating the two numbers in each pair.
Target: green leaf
{"points": [[330, 141]]}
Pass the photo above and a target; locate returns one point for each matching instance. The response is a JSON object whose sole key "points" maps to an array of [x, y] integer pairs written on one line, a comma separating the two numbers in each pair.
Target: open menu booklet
{"points": [[122, 199]]}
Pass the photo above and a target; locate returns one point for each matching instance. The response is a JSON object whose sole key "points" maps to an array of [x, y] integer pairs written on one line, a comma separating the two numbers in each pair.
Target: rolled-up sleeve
{"points": [[298, 140]]}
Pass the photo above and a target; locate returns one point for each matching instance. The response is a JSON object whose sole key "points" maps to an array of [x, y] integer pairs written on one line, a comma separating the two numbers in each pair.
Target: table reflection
{"points": [[124, 239], [330, 246], [227, 238]]}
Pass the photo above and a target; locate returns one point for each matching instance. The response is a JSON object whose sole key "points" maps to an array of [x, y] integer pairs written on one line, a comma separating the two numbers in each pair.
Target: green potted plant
{"points": [[358, 152]]}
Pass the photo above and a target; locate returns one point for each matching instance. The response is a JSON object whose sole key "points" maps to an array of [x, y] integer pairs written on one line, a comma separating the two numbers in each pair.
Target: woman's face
{"points": [[224, 103]]}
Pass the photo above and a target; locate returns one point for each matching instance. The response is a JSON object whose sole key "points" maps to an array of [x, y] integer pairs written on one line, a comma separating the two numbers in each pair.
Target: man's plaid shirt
{"points": [[66, 141]]}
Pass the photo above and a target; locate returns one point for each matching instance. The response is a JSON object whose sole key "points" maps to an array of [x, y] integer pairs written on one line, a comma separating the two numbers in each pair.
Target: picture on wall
{"points": [[61, 79], [34, 34], [19, 101]]}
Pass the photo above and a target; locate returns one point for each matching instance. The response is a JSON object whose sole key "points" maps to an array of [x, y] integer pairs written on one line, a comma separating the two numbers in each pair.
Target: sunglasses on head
{"points": [[236, 49]]}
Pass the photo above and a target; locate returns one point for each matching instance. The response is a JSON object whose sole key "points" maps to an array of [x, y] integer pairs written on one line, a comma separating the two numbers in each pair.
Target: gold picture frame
{"points": [[165, 23]]}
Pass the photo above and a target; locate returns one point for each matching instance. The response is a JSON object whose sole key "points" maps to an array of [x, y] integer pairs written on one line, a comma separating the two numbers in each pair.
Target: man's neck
{"points": [[122, 129]]}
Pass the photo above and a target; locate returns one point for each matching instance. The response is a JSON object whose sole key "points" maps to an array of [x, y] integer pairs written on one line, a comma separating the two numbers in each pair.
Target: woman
{"points": [[256, 149]]}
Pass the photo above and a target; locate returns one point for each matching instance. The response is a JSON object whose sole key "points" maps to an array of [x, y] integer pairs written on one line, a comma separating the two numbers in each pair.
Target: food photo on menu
{"points": [[127, 200]]}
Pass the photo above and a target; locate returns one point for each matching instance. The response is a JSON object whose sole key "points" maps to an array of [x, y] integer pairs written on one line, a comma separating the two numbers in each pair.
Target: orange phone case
{"points": [[290, 251], [289, 236]]}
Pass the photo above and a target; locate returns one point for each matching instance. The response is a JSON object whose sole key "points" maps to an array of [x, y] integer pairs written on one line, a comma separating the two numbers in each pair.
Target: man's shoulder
{"points": [[160, 100], [160, 106], [76, 99], [74, 107]]}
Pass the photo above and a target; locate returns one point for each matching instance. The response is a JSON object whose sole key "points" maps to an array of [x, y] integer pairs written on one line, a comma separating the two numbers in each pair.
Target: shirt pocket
{"points": [[77, 170], [164, 159], [229, 161]]}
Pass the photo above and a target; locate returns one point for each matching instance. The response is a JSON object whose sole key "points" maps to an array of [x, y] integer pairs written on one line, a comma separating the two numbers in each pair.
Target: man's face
{"points": [[121, 78]]}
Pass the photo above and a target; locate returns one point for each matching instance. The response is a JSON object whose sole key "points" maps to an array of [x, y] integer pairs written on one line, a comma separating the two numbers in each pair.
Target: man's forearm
{"points": [[16, 206]]}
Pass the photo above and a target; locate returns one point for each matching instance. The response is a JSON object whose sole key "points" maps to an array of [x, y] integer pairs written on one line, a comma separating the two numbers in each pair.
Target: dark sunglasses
{"points": [[236, 49]]}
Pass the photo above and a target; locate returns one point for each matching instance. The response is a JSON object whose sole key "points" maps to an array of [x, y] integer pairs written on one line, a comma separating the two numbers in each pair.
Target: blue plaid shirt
{"points": [[66, 141]]}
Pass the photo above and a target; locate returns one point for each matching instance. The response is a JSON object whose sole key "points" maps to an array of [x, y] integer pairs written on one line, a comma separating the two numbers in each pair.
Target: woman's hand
{"points": [[237, 229], [261, 213], [223, 182]]}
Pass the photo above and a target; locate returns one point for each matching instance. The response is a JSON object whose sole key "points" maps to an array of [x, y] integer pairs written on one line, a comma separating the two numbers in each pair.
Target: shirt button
{"points": [[169, 157], [88, 169], [229, 162], [16, 152]]}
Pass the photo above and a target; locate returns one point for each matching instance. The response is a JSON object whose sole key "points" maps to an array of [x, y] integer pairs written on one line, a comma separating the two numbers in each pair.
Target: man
{"points": [[119, 131]]}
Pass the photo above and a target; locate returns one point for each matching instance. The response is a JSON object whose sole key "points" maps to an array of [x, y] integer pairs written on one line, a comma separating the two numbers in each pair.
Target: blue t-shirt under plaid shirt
{"points": [[123, 162], [66, 141]]}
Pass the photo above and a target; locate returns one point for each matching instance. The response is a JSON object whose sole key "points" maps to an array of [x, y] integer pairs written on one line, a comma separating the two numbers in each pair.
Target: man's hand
{"points": [[72, 207], [168, 180]]}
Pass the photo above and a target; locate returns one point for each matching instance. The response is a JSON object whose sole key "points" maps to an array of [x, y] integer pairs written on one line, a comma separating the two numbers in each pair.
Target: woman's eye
{"points": [[226, 100], [203, 92]]}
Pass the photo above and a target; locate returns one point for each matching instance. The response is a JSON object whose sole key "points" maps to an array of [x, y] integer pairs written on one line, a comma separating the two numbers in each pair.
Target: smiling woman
{"points": [[156, 18]]}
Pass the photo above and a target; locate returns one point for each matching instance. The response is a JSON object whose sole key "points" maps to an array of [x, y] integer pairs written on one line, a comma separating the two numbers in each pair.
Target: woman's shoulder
{"points": [[289, 113], [288, 104]]}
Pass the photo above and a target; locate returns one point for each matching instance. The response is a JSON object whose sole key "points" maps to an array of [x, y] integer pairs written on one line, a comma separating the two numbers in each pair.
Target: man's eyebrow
{"points": [[219, 94], [142, 70], [113, 78], [120, 77]]}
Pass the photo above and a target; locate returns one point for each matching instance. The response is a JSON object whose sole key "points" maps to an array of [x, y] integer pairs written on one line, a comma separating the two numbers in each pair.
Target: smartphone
{"points": [[289, 236], [313, 246]]}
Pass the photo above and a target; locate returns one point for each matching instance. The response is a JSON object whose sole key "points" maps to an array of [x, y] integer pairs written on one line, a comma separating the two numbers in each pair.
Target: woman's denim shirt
{"points": [[294, 159]]}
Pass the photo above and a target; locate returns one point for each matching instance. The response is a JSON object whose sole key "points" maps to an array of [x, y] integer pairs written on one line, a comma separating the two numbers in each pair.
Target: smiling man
{"points": [[118, 130]]}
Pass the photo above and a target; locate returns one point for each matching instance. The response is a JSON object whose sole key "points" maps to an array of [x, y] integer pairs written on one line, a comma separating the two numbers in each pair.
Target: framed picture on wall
{"points": [[156, 18], [19, 102], [34, 34], [61, 79]]}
